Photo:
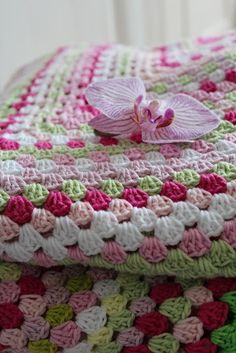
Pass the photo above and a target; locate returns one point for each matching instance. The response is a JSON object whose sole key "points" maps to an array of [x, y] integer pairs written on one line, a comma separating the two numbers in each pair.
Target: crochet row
{"points": [[72, 310]]}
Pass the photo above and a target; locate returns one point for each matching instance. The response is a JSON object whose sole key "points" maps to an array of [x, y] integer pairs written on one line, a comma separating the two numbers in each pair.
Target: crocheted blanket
{"points": [[125, 211], [69, 195]]}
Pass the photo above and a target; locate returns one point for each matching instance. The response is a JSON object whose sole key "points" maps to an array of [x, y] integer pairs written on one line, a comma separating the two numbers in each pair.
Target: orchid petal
{"points": [[122, 126], [192, 120], [115, 97]]}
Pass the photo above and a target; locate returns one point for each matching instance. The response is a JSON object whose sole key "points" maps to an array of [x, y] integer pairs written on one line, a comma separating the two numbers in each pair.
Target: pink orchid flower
{"points": [[128, 110]]}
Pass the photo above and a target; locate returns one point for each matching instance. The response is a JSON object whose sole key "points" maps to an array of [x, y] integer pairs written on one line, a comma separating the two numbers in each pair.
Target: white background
{"points": [[30, 28]]}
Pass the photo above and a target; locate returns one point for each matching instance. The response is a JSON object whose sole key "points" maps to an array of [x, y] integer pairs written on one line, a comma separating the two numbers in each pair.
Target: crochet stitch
{"points": [[69, 195], [76, 309]]}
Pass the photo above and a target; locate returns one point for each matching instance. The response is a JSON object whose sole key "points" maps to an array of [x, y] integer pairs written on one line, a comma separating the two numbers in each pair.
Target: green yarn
{"points": [[9, 272], [82, 282], [184, 79], [112, 187], [135, 290], [176, 309], [124, 278], [227, 170], [42, 346], [36, 193], [102, 336], [225, 337], [4, 197], [121, 321], [53, 128], [111, 347], [231, 96], [150, 184], [74, 189], [189, 282], [58, 314], [188, 177], [221, 253], [165, 343], [210, 67], [230, 298], [214, 136], [160, 88], [114, 304], [209, 104], [226, 126]]}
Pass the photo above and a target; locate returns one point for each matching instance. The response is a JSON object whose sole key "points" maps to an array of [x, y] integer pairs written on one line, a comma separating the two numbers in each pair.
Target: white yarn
{"points": [[191, 154], [17, 251], [120, 160], [54, 248], [128, 235], [11, 167], [231, 187], [226, 147], [143, 218], [103, 224], [29, 238], [155, 158], [106, 287], [91, 320], [223, 204], [211, 223], [89, 242], [65, 231], [85, 164], [169, 229], [59, 139], [186, 213], [45, 165]]}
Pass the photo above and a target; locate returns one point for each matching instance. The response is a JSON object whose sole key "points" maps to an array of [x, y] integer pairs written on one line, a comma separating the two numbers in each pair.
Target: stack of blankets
{"points": [[112, 245]]}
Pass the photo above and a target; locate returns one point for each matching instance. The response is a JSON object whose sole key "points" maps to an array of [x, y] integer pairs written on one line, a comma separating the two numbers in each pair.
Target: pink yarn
{"points": [[99, 156], [199, 197], [174, 190], [19, 209], [130, 337], [203, 146], [142, 306], [188, 330], [52, 181], [160, 205], [195, 243], [43, 259], [127, 177], [31, 175], [99, 274], [13, 338], [63, 159], [74, 252], [43, 221], [199, 295], [35, 328], [9, 292], [9, 229], [53, 278], [114, 253], [76, 144], [170, 150], [153, 250], [82, 300], [58, 203], [122, 209], [213, 183], [81, 213], [32, 305], [98, 199], [43, 145], [56, 295], [26, 160], [66, 335], [229, 233], [6, 145], [12, 184], [135, 197], [135, 153]]}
